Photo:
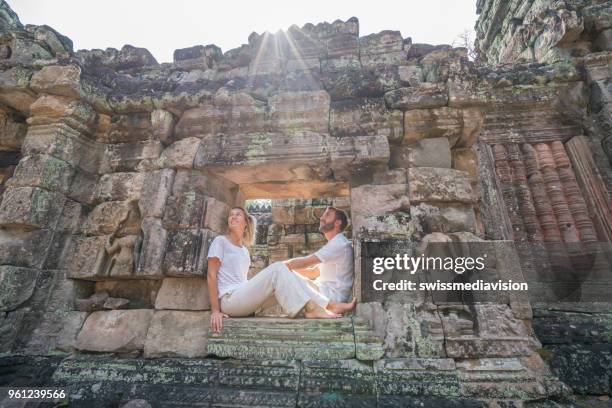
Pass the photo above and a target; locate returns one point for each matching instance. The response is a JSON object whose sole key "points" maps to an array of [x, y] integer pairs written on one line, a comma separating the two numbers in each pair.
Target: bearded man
{"points": [[331, 267]]}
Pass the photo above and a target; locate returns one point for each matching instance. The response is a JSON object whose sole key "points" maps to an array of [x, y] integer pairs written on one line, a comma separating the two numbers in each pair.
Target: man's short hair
{"points": [[340, 215]]}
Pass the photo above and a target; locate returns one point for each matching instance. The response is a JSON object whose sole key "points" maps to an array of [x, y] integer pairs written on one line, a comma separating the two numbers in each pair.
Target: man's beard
{"points": [[326, 227]]}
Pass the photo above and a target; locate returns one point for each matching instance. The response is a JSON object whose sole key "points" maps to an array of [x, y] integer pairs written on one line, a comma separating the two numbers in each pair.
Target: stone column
{"points": [[42, 206]]}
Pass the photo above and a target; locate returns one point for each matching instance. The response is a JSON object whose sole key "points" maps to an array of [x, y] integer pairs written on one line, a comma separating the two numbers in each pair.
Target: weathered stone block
{"points": [[368, 346], [206, 184], [115, 257], [63, 142], [379, 208], [119, 187], [230, 114], [154, 241], [16, 286], [131, 127], [464, 159], [280, 252], [71, 325], [373, 314], [365, 116], [423, 96], [14, 84], [156, 188], [48, 109], [473, 120], [440, 122], [283, 213], [132, 156], [180, 154], [413, 74], [30, 207], [475, 347], [58, 80], [401, 378], [433, 152], [54, 331], [300, 111], [80, 256], [183, 294], [443, 185], [350, 155], [177, 334], [10, 325], [23, 248], [293, 239], [444, 217], [216, 213], [115, 331], [111, 217], [341, 37], [83, 186], [13, 132], [306, 215], [260, 152], [162, 124], [306, 43], [350, 383], [379, 199], [186, 252], [185, 211], [199, 56], [413, 331], [283, 338], [43, 171], [343, 78], [384, 48]]}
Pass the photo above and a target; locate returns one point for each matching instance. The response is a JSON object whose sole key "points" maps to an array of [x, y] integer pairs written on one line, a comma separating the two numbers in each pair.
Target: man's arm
{"points": [[307, 266]]}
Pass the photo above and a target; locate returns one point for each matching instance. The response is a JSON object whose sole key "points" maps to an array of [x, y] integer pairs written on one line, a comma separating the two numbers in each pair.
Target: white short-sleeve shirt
{"points": [[235, 263], [336, 269]]}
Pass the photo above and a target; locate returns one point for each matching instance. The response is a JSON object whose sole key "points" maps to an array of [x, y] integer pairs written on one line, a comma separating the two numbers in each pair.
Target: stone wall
{"points": [[118, 172], [573, 36], [562, 35], [543, 31]]}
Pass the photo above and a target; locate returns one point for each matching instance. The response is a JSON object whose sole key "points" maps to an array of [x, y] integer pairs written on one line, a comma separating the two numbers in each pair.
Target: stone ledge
{"points": [[348, 383]]}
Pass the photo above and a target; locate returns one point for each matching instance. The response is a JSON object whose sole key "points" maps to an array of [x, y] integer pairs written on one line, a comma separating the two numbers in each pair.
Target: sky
{"points": [[163, 26]]}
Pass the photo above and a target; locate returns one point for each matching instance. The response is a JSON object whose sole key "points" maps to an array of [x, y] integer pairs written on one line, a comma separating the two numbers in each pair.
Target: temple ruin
{"points": [[116, 172]]}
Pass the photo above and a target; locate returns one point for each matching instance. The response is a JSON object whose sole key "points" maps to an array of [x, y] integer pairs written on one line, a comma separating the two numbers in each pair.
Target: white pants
{"points": [[274, 283]]}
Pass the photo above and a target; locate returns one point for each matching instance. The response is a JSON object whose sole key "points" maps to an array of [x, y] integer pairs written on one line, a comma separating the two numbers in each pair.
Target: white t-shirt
{"points": [[336, 278], [235, 263]]}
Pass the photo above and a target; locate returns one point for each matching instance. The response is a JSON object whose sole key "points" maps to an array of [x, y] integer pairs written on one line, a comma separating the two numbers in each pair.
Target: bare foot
{"points": [[338, 307], [314, 311]]}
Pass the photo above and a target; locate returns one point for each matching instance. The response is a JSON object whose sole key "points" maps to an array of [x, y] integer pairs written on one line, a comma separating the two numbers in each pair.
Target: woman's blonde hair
{"points": [[248, 238]]}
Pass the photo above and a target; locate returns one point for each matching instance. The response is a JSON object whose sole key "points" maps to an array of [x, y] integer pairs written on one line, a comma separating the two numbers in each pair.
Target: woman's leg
{"points": [[291, 292]]}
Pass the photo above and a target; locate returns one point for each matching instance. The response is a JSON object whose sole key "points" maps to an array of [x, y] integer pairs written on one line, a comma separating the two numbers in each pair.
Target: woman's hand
{"points": [[216, 321]]}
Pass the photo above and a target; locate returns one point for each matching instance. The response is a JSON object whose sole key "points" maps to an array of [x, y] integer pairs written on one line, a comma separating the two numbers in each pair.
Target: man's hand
{"points": [[303, 262], [216, 321], [311, 272]]}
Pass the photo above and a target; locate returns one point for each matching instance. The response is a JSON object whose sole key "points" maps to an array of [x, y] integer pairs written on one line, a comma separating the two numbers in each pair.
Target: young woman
{"points": [[231, 294]]}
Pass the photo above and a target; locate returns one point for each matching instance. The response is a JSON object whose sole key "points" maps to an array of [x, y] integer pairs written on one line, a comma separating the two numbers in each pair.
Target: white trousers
{"points": [[273, 283]]}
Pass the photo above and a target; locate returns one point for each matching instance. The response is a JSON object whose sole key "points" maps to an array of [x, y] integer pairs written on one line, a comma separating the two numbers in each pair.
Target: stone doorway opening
{"points": [[289, 228]]}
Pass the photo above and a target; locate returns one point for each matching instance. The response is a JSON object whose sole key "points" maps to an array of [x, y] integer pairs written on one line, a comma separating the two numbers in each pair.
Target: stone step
{"points": [[300, 339], [103, 381]]}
